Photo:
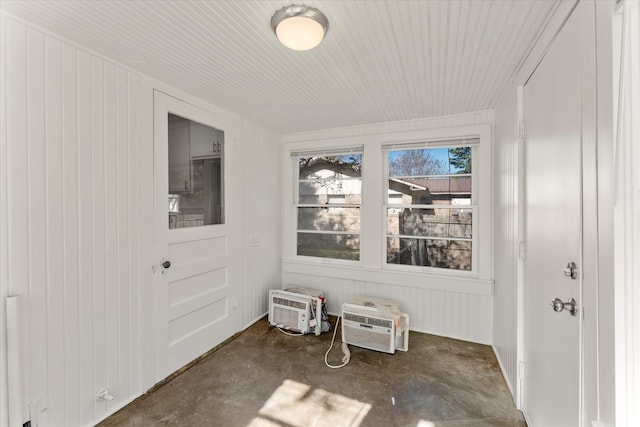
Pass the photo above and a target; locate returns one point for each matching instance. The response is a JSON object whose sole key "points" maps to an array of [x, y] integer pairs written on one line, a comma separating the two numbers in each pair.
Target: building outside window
{"points": [[403, 207], [327, 204], [430, 205]]}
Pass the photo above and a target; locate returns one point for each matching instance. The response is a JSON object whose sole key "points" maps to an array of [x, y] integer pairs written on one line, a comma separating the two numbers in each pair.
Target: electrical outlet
{"points": [[255, 242]]}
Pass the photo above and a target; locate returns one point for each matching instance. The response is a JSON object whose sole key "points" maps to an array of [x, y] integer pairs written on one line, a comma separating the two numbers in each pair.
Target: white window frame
{"points": [[473, 143], [338, 151], [372, 265]]}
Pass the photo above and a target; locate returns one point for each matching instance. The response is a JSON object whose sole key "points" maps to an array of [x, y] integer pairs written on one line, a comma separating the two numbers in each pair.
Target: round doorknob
{"points": [[166, 264], [558, 305]]}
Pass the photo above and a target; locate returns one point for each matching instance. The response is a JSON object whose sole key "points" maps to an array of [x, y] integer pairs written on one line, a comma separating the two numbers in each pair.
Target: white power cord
{"points": [[345, 350], [315, 318], [289, 333]]}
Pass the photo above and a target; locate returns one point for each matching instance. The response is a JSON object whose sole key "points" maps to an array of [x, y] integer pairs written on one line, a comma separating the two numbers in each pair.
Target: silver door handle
{"points": [[558, 306]]}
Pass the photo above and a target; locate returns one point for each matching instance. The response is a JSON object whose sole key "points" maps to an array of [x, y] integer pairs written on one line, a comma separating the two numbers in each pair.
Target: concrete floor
{"points": [[264, 378]]}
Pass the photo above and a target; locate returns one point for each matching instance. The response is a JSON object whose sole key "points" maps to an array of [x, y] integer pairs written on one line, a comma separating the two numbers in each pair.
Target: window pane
{"points": [[436, 222], [418, 162], [454, 254], [318, 167], [429, 161], [459, 160], [334, 182], [338, 246], [329, 219], [335, 191], [196, 177], [433, 177], [430, 191]]}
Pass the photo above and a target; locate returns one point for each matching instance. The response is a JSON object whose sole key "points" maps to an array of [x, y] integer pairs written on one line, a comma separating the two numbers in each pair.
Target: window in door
{"points": [[196, 173]]}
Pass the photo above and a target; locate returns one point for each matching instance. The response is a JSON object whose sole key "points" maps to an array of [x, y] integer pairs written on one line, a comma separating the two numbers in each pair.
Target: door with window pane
{"points": [[195, 295]]}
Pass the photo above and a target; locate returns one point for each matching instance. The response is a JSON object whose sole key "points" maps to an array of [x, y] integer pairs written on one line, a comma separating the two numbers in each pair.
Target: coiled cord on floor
{"points": [[345, 350]]}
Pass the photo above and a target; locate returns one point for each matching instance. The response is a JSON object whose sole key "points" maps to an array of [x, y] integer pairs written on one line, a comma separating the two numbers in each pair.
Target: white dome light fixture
{"points": [[299, 27]]}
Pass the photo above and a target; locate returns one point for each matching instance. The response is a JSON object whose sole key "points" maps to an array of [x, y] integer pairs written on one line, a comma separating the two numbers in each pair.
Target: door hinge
{"points": [[522, 251], [521, 130]]}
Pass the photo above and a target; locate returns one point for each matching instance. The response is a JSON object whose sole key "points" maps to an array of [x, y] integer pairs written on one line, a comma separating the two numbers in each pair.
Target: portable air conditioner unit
{"points": [[376, 324], [296, 309]]}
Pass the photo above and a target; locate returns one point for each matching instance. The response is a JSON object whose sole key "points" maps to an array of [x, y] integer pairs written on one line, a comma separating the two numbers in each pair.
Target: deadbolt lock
{"points": [[571, 270]]}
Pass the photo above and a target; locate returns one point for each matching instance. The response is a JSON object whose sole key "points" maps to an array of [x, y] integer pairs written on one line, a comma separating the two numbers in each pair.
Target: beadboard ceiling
{"points": [[380, 61]]}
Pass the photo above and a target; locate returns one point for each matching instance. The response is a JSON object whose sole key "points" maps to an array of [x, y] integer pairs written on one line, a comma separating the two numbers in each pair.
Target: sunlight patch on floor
{"points": [[423, 423], [296, 405]]}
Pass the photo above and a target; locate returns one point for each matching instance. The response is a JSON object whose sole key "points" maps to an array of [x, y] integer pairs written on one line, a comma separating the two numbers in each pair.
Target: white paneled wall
{"points": [[506, 161], [70, 211], [451, 314], [75, 201], [261, 219], [444, 305]]}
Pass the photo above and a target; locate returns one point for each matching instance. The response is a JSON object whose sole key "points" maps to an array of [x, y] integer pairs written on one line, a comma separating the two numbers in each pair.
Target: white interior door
{"points": [[196, 294], [552, 340]]}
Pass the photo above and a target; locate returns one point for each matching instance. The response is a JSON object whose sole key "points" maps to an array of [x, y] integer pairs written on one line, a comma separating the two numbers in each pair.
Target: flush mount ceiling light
{"points": [[299, 27]]}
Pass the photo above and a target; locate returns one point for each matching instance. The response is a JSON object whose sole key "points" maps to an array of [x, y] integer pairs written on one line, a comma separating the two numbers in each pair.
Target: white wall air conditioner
{"points": [[294, 309], [376, 324]]}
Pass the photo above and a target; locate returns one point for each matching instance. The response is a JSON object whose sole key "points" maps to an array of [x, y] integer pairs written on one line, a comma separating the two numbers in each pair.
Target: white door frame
{"points": [[589, 350]]}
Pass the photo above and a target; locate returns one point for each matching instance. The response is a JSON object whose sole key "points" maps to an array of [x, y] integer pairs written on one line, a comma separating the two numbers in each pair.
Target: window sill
{"points": [[469, 285]]}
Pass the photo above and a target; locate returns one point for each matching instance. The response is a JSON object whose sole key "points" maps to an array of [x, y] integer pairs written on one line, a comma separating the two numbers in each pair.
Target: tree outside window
{"points": [[328, 206]]}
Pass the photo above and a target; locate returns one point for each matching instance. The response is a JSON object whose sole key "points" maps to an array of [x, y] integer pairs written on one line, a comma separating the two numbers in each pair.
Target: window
{"points": [[327, 204], [430, 205], [196, 176], [407, 208]]}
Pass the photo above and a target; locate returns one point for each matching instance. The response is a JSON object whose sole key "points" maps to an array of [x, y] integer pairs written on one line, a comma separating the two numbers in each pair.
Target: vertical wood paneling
{"points": [[98, 238], [40, 218], [71, 232], [123, 320], [506, 236], [53, 190], [451, 314], [261, 190], [133, 240], [111, 231], [69, 208], [73, 202], [85, 237], [17, 167]]}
